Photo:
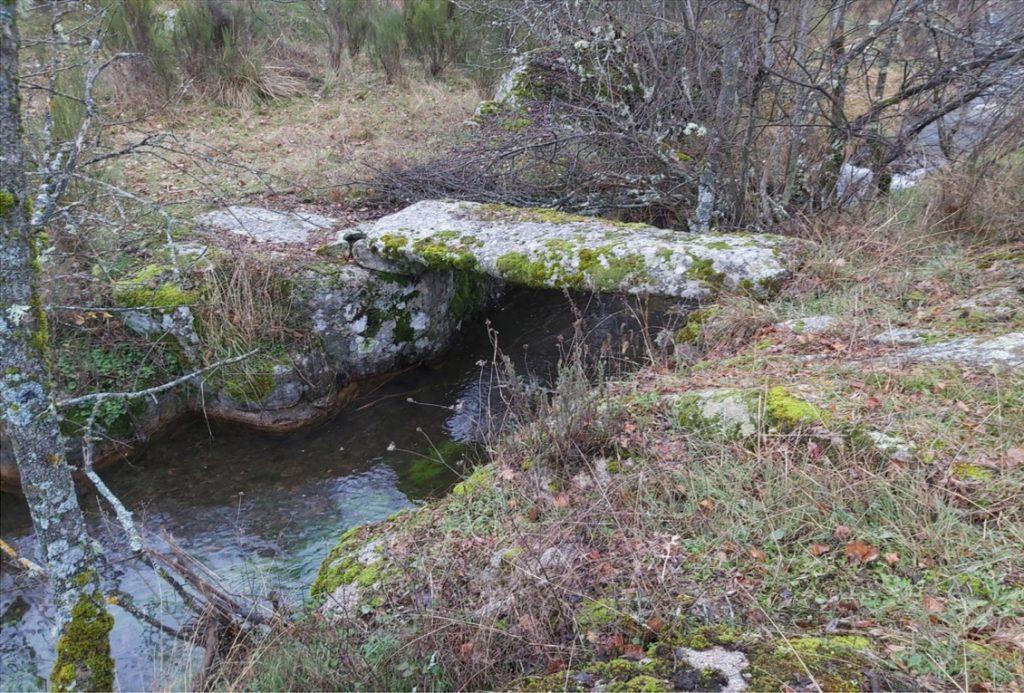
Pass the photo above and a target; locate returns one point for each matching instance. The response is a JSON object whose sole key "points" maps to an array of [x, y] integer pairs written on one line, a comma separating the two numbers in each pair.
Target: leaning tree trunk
{"points": [[30, 418]]}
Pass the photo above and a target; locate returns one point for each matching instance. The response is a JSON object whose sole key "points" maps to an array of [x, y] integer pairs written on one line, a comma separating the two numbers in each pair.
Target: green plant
{"points": [[386, 40], [435, 33]]}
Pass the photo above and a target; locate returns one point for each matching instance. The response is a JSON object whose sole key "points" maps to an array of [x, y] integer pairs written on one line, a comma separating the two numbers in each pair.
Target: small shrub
{"points": [[434, 32], [386, 40]]}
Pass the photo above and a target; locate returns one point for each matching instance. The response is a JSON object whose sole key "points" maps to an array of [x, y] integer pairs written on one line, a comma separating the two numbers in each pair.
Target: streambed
{"points": [[262, 511]]}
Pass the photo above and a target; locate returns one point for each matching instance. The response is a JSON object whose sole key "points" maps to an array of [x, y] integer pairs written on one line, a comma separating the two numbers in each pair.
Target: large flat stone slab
{"points": [[265, 225], [542, 248], [1003, 352]]}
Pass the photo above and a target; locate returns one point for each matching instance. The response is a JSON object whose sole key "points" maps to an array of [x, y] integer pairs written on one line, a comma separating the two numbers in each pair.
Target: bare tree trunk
{"points": [[839, 70], [30, 419], [800, 103]]}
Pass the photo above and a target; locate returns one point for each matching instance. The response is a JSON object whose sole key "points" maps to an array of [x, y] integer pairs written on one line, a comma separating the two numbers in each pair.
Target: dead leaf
{"points": [[1010, 637], [933, 605], [1014, 458], [757, 554], [818, 549], [655, 623], [860, 552], [872, 403], [842, 532], [466, 649], [562, 500], [707, 504], [891, 558], [629, 427]]}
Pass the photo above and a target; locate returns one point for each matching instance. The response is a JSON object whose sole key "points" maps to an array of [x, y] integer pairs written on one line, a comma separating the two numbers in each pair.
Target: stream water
{"points": [[262, 511]]}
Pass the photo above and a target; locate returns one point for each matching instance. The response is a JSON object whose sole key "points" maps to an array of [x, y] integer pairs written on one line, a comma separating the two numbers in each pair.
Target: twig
{"points": [[94, 396]]}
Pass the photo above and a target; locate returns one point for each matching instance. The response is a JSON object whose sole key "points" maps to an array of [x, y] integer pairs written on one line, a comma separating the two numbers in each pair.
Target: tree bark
{"points": [[30, 418]]}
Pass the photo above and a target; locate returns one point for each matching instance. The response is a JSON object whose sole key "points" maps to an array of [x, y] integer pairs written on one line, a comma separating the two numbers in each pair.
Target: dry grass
{"points": [[314, 144]]}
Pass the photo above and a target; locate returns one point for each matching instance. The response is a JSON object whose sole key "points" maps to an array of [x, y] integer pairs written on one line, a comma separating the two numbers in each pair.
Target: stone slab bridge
{"points": [[546, 249]]}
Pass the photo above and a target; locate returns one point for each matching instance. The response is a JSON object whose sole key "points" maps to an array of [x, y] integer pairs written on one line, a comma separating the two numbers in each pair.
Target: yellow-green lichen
{"points": [[83, 649]]}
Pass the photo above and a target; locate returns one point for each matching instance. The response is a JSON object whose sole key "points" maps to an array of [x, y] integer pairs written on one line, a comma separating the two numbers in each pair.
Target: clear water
{"points": [[262, 511]]}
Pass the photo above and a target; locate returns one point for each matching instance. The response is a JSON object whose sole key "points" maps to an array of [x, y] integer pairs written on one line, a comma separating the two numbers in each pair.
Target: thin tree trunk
{"points": [[30, 419], [800, 104], [839, 70]]}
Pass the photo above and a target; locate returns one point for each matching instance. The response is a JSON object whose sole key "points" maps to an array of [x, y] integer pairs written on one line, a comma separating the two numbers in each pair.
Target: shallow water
{"points": [[262, 511]]}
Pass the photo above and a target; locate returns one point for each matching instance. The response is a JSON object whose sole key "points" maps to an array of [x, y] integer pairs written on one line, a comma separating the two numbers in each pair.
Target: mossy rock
{"points": [[153, 287], [741, 413], [836, 663]]}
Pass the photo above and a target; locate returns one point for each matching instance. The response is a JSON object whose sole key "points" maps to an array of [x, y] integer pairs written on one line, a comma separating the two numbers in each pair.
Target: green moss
{"points": [[508, 558], [7, 201], [595, 614], [647, 684], [518, 268], [341, 565], [690, 333], [595, 268], [83, 649], [516, 124], [703, 270], [393, 244], [147, 289], [404, 332], [488, 108], [835, 662], [466, 297], [785, 411], [539, 215], [972, 472], [441, 252], [254, 379], [480, 478]]}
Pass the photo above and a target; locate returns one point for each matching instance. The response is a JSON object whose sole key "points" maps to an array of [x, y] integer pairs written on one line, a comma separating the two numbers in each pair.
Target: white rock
{"points": [[266, 225], [812, 324]]}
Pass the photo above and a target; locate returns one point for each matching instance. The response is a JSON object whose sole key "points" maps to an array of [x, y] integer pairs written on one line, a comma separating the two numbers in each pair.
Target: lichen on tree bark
{"points": [[30, 417]]}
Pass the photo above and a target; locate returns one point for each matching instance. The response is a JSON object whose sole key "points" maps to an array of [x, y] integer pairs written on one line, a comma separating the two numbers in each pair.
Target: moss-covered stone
{"points": [[785, 411], [836, 663], [151, 287], [345, 565]]}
